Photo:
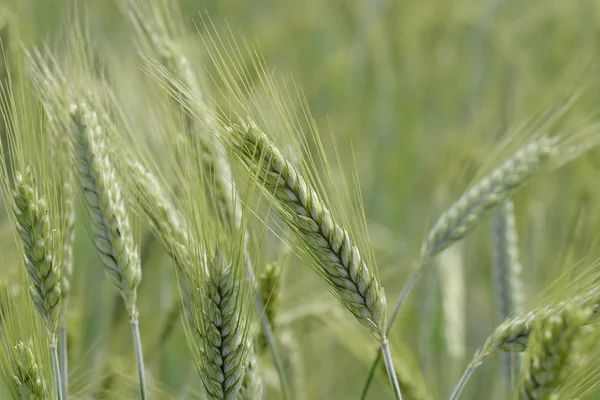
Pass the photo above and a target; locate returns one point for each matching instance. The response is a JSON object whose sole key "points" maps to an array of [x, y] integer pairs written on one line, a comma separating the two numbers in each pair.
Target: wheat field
{"points": [[299, 199]]}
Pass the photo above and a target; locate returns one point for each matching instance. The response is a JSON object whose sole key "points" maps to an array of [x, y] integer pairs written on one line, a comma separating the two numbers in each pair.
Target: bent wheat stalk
{"points": [[109, 223]]}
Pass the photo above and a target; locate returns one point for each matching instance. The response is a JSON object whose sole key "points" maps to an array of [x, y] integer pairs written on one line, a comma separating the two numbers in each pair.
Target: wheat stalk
{"points": [[506, 271]]}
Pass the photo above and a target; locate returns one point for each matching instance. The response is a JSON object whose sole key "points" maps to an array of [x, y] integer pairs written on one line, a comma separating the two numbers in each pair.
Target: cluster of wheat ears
{"points": [[211, 181]]}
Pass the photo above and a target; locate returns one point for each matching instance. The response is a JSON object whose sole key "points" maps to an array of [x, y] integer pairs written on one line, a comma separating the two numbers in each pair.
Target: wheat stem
{"points": [[139, 356], [391, 371], [56, 369], [64, 361], [463, 380]]}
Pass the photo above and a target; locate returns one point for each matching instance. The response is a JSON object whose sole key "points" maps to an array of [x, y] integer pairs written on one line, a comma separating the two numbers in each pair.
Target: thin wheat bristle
{"points": [[39, 241], [550, 352], [29, 382], [486, 195], [109, 222], [339, 260], [221, 329]]}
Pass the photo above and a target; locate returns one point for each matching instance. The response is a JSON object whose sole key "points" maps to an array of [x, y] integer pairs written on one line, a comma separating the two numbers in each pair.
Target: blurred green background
{"points": [[418, 94]]}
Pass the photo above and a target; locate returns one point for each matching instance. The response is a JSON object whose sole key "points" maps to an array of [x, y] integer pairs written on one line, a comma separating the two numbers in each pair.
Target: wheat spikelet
{"points": [[221, 329], [293, 363], [39, 241], [109, 222], [29, 382], [550, 352], [339, 261], [486, 195], [269, 287]]}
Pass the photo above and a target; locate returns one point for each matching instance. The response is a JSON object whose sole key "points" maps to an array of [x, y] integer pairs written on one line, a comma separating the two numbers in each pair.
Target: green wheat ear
{"points": [[109, 226], [338, 259], [550, 352], [39, 245]]}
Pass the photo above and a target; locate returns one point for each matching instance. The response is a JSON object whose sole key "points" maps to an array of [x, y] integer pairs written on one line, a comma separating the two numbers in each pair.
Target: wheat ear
{"points": [[109, 223], [338, 260], [475, 206], [39, 241], [513, 335], [165, 219], [550, 351], [221, 329], [29, 382]]}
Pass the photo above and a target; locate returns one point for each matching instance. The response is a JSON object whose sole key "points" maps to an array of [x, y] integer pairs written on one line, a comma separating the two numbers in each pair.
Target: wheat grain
{"points": [[339, 261]]}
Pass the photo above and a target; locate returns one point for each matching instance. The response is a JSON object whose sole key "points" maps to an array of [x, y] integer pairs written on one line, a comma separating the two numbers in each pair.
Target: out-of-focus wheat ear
{"points": [[507, 274], [269, 287], [108, 219], [221, 323], [486, 195], [27, 378], [166, 220], [550, 352], [252, 384], [338, 260], [39, 241], [513, 335]]}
